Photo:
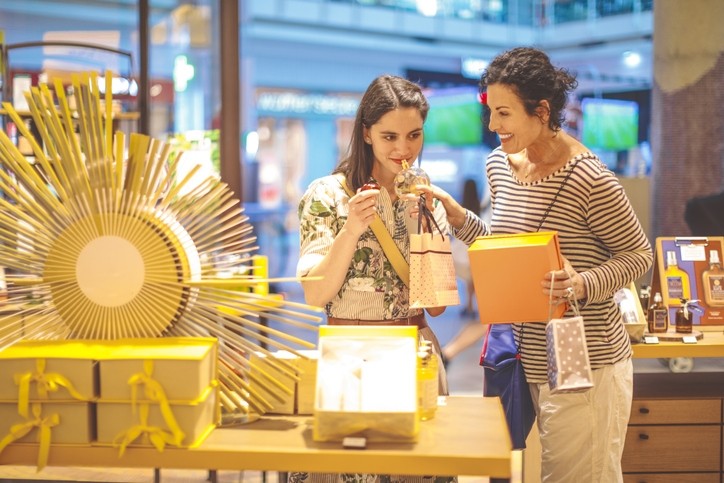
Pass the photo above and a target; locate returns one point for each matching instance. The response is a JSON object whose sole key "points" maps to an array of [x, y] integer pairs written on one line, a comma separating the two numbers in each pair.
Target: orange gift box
{"points": [[507, 273]]}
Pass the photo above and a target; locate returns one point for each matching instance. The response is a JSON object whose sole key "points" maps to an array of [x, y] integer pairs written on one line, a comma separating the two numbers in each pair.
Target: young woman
{"points": [[358, 284]]}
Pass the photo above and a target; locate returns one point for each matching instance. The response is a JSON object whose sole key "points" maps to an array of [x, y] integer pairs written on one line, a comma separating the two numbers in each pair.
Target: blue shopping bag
{"points": [[504, 377]]}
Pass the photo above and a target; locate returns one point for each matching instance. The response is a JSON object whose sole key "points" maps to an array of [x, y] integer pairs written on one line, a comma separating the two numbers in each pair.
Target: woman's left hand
{"points": [[567, 283]]}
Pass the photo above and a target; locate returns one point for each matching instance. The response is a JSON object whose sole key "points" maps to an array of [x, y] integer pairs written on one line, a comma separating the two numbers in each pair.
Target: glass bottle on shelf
{"points": [[713, 281], [658, 316], [427, 381], [677, 281], [684, 318]]}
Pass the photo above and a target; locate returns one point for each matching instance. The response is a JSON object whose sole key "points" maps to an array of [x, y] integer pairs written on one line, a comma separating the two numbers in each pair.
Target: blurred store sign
{"points": [[305, 103]]}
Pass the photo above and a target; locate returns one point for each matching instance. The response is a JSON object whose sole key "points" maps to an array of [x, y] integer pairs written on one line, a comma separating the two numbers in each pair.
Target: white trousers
{"points": [[582, 434]]}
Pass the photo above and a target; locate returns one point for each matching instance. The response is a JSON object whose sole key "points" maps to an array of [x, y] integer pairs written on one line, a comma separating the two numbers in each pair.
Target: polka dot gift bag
{"points": [[569, 368], [432, 272]]}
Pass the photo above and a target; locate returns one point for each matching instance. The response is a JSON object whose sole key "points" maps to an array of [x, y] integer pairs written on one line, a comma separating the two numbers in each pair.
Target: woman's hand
{"points": [[433, 194], [567, 284], [362, 210]]}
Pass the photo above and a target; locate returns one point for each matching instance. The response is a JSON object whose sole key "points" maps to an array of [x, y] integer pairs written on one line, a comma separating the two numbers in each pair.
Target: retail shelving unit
{"points": [[6, 81]]}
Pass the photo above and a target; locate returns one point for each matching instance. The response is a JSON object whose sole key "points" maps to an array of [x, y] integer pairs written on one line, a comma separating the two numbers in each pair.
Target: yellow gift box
{"points": [[366, 384], [146, 423], [184, 366], [49, 370], [298, 380], [161, 391], [158, 392], [69, 422], [507, 273]]}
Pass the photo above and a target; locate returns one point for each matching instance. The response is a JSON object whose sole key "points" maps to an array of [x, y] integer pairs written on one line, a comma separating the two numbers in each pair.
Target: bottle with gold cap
{"points": [[427, 381]]}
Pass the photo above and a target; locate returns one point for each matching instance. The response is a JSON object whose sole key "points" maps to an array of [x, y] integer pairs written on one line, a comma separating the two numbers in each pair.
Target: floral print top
{"points": [[372, 289]]}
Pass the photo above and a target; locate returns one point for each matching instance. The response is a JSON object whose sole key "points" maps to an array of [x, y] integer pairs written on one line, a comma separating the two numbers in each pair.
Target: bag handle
{"points": [[569, 295], [392, 252], [424, 212]]}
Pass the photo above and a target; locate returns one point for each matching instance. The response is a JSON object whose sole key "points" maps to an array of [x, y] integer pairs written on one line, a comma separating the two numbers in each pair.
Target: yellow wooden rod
{"points": [[109, 116]]}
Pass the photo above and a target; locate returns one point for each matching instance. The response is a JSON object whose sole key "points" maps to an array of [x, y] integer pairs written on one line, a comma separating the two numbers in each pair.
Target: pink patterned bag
{"points": [[432, 273]]}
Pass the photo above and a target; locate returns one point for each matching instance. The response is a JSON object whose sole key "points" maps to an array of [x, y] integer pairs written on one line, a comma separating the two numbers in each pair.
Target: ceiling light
{"points": [[631, 59]]}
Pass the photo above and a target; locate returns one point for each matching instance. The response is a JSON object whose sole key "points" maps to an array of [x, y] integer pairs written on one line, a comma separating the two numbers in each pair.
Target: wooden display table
{"points": [[467, 436]]}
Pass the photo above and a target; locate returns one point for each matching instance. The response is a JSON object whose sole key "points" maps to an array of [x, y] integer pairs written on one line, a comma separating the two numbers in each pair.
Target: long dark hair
{"points": [[383, 95], [530, 73], [471, 199]]}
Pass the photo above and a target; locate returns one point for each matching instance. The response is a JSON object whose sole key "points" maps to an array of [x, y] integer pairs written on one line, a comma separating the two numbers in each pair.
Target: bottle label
{"points": [[675, 286], [716, 287], [660, 320]]}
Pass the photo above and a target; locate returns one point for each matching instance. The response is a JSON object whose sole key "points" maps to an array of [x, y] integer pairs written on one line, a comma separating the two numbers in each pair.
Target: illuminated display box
{"points": [[366, 384]]}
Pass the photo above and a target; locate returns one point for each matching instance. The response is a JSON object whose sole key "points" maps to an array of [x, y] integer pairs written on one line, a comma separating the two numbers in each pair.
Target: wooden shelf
{"points": [[711, 345]]}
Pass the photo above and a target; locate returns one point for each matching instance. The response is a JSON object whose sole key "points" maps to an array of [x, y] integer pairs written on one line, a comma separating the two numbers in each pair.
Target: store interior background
{"points": [[303, 65]]}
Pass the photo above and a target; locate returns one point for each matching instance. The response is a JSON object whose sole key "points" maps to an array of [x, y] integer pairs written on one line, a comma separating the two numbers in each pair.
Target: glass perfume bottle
{"points": [[407, 179], [677, 281], [713, 281], [658, 316], [685, 317]]}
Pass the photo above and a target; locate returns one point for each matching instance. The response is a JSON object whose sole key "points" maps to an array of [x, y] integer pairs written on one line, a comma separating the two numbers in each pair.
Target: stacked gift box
{"points": [[125, 393], [286, 379]]}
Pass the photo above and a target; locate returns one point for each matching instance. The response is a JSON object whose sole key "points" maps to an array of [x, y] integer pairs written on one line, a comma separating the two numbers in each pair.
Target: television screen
{"points": [[610, 124], [454, 118]]}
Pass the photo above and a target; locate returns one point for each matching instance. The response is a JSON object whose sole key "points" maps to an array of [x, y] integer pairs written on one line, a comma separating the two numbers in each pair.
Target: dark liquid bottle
{"points": [[658, 316], [684, 318]]}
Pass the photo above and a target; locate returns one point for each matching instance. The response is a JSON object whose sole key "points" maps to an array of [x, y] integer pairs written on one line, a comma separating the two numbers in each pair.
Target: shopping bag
{"points": [[432, 275], [432, 270], [569, 368], [504, 377]]}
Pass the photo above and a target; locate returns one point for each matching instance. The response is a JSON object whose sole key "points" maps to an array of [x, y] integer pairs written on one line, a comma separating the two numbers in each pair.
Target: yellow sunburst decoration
{"points": [[101, 243]]}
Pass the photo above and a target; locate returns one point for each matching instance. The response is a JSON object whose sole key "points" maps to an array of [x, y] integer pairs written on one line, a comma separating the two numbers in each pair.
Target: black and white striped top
{"points": [[599, 234]]}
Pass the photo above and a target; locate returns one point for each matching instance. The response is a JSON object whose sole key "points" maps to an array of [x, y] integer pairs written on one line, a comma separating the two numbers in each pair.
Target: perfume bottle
{"points": [[677, 281], [684, 317], [658, 316], [407, 179], [713, 281]]}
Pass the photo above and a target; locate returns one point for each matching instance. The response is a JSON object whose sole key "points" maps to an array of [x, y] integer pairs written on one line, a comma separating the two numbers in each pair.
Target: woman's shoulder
{"points": [[591, 164], [497, 155], [326, 184]]}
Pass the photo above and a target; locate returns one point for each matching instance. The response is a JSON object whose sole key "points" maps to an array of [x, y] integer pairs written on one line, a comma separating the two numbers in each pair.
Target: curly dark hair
{"points": [[384, 94], [531, 74]]}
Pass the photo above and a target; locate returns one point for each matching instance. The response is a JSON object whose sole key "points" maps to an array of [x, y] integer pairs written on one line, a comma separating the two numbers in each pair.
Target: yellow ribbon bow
{"points": [[45, 384], [154, 392], [158, 437], [45, 424]]}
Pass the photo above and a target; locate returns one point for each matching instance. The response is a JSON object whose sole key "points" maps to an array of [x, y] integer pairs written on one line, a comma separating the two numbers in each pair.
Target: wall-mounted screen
{"points": [[454, 118], [610, 124]]}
